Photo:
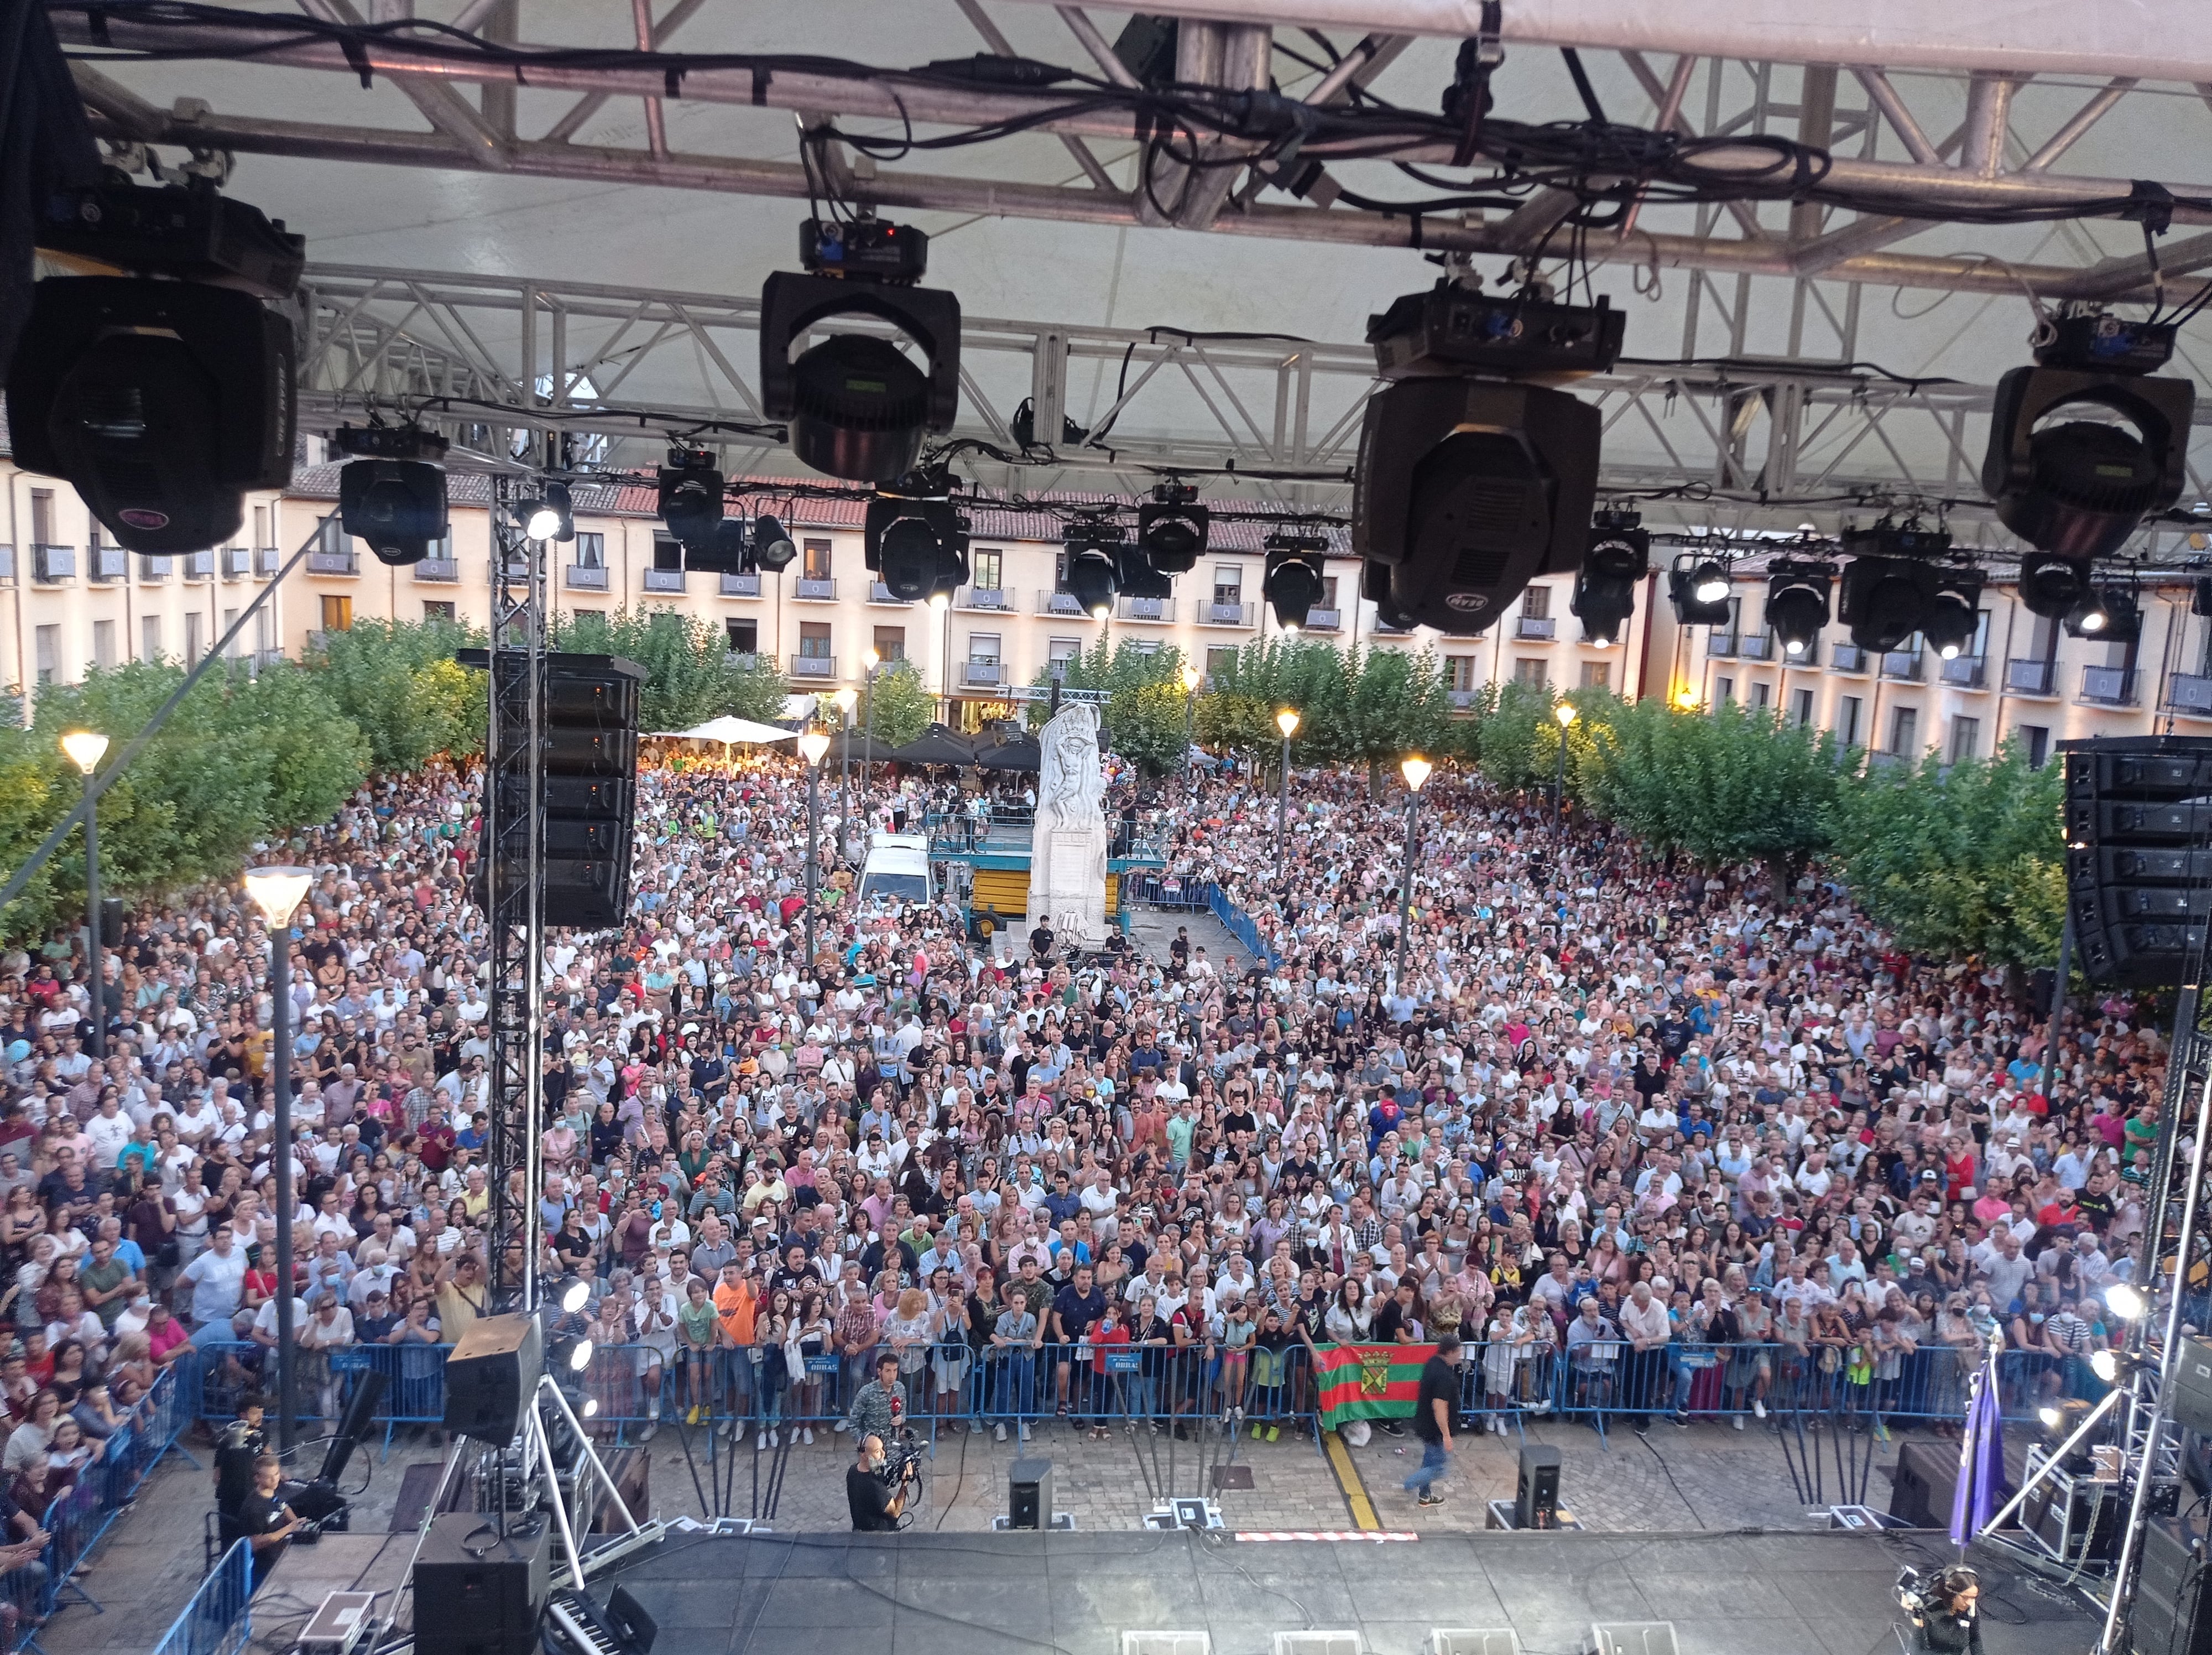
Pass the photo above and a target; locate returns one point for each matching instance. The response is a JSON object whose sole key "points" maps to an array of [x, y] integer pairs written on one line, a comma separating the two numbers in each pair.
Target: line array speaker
{"points": [[2138, 869]]}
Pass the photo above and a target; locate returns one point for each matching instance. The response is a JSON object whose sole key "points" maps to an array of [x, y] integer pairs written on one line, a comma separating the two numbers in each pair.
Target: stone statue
{"points": [[1068, 847]]}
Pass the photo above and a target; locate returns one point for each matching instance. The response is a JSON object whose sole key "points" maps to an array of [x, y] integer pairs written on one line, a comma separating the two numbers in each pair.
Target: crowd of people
{"points": [[1646, 1137]]}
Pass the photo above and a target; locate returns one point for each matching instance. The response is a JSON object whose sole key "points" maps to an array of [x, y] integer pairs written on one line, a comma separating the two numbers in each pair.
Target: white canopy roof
{"points": [[728, 730]]}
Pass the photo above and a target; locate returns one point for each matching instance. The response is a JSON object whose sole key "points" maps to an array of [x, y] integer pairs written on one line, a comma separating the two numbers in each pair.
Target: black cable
{"points": [[1583, 86]]}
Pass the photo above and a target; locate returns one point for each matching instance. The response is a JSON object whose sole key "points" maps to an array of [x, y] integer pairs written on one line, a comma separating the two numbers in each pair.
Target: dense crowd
{"points": [[1644, 1136]]}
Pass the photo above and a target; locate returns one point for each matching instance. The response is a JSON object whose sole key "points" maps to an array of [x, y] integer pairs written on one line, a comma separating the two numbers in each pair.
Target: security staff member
{"points": [[876, 1507], [266, 1520]]}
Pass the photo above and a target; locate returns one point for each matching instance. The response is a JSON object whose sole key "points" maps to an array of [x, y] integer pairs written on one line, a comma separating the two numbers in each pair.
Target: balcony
{"points": [[51, 565], [741, 661], [1759, 646], [199, 566], [1324, 620], [1058, 603], [333, 562], [263, 659], [815, 590], [1720, 645], [989, 673], [1847, 657], [664, 580], [813, 666], [156, 567], [740, 586], [2032, 678], [1384, 629], [1536, 626], [585, 577], [1159, 610], [1463, 700], [2108, 686], [2187, 692], [267, 560], [106, 563], [438, 569], [1965, 672], [237, 562], [7, 562], [1219, 613], [983, 597], [1902, 665], [880, 594]]}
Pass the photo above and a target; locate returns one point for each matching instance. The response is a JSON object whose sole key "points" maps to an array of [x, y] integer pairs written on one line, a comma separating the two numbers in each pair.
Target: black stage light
{"points": [[1618, 558], [2051, 586], [1698, 592], [1293, 585], [1139, 576], [1094, 549], [2080, 486], [393, 494], [552, 515], [691, 497], [1466, 490], [1954, 616], [857, 407], [1797, 605], [773, 550], [2107, 614], [1883, 599], [917, 545], [728, 551], [1172, 528]]}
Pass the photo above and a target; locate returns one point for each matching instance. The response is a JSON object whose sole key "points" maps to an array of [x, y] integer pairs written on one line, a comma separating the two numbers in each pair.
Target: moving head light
{"points": [[691, 498], [1797, 605], [392, 493], [1618, 558], [856, 406], [1893, 588], [917, 543], [1172, 528], [1699, 591], [1095, 554], [1293, 580]]}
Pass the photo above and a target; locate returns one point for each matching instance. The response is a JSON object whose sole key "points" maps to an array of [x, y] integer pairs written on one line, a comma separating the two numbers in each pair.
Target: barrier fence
{"points": [[219, 1619]]}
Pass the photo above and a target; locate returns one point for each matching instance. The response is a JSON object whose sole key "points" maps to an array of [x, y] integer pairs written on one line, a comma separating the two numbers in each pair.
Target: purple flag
{"points": [[1981, 1459]]}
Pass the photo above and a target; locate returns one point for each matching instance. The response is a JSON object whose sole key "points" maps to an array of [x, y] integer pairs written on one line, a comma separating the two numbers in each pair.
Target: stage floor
{"points": [[1074, 1594]]}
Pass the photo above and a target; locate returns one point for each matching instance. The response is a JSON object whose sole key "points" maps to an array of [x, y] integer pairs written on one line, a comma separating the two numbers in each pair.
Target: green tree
{"points": [[398, 682], [1513, 736], [1146, 722], [689, 676], [898, 708]]}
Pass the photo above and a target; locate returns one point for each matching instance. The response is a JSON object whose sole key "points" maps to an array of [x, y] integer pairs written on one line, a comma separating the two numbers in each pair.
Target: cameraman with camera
{"points": [[875, 1493], [1946, 1609]]}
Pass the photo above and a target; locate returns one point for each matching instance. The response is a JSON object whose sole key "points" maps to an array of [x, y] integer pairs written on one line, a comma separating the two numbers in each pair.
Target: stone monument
{"points": [[1067, 846]]}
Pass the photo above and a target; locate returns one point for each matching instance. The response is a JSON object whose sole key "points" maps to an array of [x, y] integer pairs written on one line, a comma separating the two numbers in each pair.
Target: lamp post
{"points": [[1287, 721], [86, 748], [811, 746], [1415, 769], [869, 662], [844, 699], [276, 892], [1565, 712], [1192, 678]]}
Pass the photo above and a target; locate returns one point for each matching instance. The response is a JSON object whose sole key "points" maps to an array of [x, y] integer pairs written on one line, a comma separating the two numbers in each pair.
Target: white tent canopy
{"points": [[729, 731]]}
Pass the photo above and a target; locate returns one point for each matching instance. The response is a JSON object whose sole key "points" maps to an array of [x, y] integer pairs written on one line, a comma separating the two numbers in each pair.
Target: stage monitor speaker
{"points": [[2191, 1401], [492, 1375], [2137, 810], [2171, 1616], [1029, 1494], [477, 1592], [1927, 1478], [1536, 1503]]}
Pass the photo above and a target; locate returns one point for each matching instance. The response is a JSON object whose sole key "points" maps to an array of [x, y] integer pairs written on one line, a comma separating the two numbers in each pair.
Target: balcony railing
{"points": [[53, 564], [1720, 645], [1902, 665], [585, 577], [740, 586], [1216, 613], [1964, 671], [814, 590], [199, 566], [267, 560], [1148, 609], [1756, 646], [1847, 657], [1058, 603], [664, 580], [333, 562], [984, 597], [1536, 626], [438, 568], [237, 562], [880, 594], [741, 661], [1463, 699], [154, 568], [2032, 678], [2109, 686], [1324, 620], [813, 666], [983, 672], [2188, 692], [106, 563], [7, 562], [1384, 629]]}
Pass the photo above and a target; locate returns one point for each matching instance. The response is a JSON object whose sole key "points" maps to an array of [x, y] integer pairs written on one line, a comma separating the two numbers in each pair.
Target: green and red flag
{"points": [[1369, 1382]]}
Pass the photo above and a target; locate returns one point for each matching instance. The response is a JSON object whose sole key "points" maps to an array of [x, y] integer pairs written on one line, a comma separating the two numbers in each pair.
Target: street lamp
{"points": [[1192, 678], [276, 892], [811, 746], [1415, 769], [1287, 721], [843, 700], [1565, 712], [869, 662], [85, 749]]}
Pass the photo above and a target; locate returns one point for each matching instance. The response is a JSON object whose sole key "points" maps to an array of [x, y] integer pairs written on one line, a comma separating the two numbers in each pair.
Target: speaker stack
{"points": [[2138, 872], [2170, 1614], [480, 1586], [491, 1378]]}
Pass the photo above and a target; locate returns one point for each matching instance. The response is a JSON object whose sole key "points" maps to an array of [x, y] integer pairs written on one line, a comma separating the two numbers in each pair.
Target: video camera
{"points": [[902, 1460]]}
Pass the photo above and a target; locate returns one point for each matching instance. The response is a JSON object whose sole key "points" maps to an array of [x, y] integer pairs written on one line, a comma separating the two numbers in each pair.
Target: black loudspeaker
{"points": [[477, 1592], [2170, 1614], [360, 1409], [492, 1375], [2138, 879], [2190, 1400], [1536, 1503], [1029, 1494], [1927, 1479]]}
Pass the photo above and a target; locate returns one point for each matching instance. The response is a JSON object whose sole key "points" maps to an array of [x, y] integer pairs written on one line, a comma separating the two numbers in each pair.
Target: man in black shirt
{"points": [[1433, 1417], [874, 1507], [266, 1521], [1074, 1311]]}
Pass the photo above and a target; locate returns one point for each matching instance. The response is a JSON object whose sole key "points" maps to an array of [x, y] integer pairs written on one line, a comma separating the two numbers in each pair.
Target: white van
{"points": [[896, 871]]}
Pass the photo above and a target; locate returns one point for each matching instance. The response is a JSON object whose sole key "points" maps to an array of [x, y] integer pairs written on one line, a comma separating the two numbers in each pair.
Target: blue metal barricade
{"points": [[219, 1619]]}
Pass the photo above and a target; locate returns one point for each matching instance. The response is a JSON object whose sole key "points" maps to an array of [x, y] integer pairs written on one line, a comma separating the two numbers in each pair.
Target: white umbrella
{"points": [[729, 730]]}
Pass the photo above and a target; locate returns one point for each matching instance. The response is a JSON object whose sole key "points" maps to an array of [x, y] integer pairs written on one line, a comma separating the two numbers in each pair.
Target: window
{"points": [[149, 636], [193, 641], [814, 639], [983, 647], [1061, 650], [1462, 669], [2036, 738], [1800, 707], [1597, 675], [1724, 692], [229, 620], [261, 525], [42, 517], [437, 612], [1536, 603], [891, 643], [1327, 592], [337, 617], [587, 614], [49, 652], [591, 550], [1762, 695], [1966, 738], [666, 553], [1145, 646], [103, 643], [264, 630], [1229, 583], [745, 636], [815, 560], [1905, 732], [1220, 664], [1529, 669], [985, 565], [330, 535], [1847, 720]]}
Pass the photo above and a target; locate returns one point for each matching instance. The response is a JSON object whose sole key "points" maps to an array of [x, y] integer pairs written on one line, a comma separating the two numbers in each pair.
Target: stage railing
{"points": [[219, 1619]]}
